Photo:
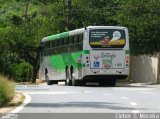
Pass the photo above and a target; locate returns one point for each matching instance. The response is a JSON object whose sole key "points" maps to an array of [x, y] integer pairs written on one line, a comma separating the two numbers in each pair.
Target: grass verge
{"points": [[7, 89], [17, 100], [9, 99]]}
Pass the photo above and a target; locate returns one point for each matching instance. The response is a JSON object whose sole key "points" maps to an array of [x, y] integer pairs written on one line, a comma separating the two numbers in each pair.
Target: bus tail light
{"points": [[87, 60], [127, 61]]}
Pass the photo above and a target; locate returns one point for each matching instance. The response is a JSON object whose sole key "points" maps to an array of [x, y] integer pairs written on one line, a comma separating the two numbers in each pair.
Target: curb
{"points": [[25, 102]]}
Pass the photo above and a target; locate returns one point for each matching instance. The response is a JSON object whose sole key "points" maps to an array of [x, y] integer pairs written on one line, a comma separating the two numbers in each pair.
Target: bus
{"points": [[90, 54]]}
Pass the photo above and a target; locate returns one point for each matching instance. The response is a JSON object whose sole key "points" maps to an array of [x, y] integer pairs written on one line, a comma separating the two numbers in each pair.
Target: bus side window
{"points": [[76, 39], [51, 44], [66, 41], [80, 38], [56, 43], [71, 40], [47, 45], [44, 45], [42, 48], [46, 48], [61, 42]]}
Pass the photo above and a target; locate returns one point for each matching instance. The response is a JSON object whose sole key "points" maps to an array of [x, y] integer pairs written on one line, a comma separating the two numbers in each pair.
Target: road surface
{"points": [[91, 99]]}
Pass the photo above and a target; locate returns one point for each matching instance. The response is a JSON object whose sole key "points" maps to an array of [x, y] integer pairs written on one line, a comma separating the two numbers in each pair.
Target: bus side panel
{"points": [[58, 64]]}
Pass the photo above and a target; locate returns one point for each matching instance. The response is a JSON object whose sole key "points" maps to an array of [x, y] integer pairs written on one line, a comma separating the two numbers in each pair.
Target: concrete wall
{"points": [[144, 69]]}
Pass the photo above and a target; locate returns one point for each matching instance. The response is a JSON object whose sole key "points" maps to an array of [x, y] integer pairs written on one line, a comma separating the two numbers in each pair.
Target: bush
{"points": [[22, 72], [7, 89]]}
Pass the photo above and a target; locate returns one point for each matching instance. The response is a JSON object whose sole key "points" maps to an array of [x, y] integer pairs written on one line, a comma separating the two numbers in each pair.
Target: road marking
{"points": [[106, 94], [51, 93], [86, 91], [26, 101], [132, 89], [135, 111], [133, 103], [124, 98], [146, 92]]}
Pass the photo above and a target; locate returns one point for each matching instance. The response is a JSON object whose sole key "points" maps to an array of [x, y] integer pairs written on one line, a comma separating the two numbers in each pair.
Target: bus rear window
{"points": [[107, 38]]}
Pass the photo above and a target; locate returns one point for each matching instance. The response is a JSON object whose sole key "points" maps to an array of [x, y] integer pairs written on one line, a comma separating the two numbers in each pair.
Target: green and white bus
{"points": [[94, 54]]}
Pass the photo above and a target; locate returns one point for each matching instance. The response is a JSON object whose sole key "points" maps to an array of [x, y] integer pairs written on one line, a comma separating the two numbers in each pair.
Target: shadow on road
{"points": [[96, 105], [117, 85]]}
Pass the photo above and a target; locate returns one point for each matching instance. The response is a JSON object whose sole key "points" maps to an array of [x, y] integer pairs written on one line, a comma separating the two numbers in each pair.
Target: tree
{"points": [[20, 38], [143, 21]]}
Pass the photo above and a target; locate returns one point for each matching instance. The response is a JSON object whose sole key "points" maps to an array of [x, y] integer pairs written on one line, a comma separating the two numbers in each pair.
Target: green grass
{"points": [[7, 89]]}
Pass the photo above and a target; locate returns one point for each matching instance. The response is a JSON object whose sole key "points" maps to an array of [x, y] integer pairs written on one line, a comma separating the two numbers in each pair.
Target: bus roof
{"points": [[64, 34], [109, 27], [77, 31]]}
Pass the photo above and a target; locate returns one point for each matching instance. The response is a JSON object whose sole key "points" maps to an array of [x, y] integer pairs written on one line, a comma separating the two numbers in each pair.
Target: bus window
{"points": [[42, 46], [76, 39], [47, 45], [51, 44], [56, 43], [71, 40], [80, 38], [61, 42], [107, 38], [66, 41]]}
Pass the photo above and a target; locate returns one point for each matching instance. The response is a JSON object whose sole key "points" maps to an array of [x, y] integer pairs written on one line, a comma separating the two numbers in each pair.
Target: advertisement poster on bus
{"points": [[107, 38]]}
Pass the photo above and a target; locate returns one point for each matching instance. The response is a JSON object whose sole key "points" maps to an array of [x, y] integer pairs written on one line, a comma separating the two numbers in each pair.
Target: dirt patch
{"points": [[38, 82], [16, 101]]}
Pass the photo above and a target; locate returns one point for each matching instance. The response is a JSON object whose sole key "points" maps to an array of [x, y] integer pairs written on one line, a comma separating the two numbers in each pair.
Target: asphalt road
{"points": [[91, 99]]}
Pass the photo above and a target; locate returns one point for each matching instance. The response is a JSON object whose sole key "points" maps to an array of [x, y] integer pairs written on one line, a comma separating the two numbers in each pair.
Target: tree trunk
{"points": [[36, 66]]}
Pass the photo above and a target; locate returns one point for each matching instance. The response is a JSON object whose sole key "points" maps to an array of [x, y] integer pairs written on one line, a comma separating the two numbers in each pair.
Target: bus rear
{"points": [[107, 53]]}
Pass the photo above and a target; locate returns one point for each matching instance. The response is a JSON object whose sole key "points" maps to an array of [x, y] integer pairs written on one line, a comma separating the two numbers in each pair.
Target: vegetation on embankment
{"points": [[7, 90], [23, 23]]}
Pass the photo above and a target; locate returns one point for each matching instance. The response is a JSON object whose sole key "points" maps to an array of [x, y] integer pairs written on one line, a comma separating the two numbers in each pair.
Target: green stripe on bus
{"points": [[57, 36], [59, 62], [85, 51]]}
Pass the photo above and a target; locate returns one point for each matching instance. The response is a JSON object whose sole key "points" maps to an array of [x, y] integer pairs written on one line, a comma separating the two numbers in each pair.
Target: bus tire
{"points": [[47, 80], [74, 81], [68, 81], [112, 82]]}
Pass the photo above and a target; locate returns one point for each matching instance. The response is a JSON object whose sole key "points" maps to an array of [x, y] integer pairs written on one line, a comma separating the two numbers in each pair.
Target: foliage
{"points": [[21, 72], [20, 36], [6, 90], [143, 21]]}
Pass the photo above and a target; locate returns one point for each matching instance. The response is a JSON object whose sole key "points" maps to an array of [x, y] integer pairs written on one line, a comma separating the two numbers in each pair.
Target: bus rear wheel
{"points": [[74, 81], [109, 82], [112, 82], [47, 80], [68, 81]]}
